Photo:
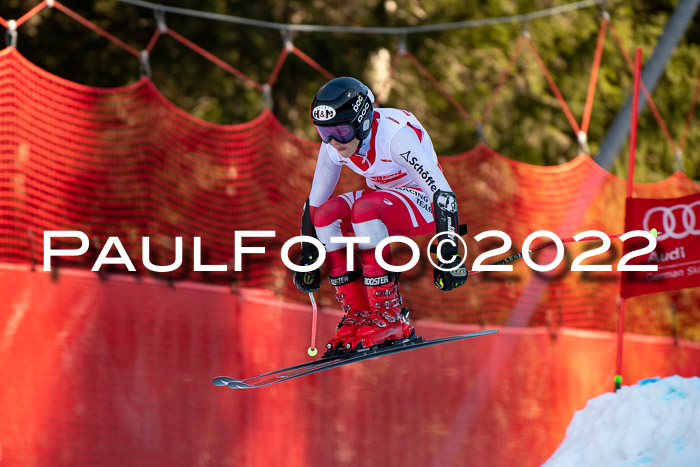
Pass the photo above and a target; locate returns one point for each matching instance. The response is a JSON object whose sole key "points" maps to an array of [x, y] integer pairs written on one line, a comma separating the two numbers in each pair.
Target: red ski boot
{"points": [[387, 322], [350, 292]]}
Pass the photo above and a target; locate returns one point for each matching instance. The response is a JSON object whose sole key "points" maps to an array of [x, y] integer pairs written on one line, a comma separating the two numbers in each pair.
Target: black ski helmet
{"points": [[343, 101]]}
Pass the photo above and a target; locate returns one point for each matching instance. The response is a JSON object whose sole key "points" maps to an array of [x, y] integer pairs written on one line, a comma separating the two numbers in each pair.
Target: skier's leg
{"points": [[332, 219], [378, 215]]}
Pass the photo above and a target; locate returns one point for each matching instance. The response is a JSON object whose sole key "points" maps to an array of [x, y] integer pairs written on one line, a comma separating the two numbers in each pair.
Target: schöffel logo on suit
{"points": [[422, 171], [676, 222]]}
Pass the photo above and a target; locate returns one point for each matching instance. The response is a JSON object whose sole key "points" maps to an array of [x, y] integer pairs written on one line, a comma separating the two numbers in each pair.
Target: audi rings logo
{"points": [[677, 222]]}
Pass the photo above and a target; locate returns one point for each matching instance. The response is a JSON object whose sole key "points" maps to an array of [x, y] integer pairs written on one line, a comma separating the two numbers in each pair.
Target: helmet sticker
{"points": [[362, 114], [323, 112], [358, 102], [365, 125]]}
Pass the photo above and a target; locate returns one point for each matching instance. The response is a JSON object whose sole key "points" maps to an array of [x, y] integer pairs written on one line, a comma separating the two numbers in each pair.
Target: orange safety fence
{"points": [[125, 162], [605, 23], [118, 372], [115, 368]]}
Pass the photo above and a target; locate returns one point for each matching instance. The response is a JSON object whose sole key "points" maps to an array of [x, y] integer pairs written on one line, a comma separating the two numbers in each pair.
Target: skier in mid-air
{"points": [[407, 195]]}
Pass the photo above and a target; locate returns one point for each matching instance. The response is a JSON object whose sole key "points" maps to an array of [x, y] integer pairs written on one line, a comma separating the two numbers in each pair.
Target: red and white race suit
{"points": [[402, 173]]}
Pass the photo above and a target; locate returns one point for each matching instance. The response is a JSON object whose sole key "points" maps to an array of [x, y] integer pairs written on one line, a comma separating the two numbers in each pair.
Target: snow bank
{"points": [[653, 423]]}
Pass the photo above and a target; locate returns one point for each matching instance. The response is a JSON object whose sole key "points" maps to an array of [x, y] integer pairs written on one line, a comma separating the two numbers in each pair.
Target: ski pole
{"points": [[313, 350]]}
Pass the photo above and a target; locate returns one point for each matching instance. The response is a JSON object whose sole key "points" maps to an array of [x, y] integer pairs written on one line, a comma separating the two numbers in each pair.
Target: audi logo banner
{"points": [[677, 252]]}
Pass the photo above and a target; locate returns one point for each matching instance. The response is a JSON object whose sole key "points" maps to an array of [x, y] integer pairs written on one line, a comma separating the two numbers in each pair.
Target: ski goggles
{"points": [[341, 133]]}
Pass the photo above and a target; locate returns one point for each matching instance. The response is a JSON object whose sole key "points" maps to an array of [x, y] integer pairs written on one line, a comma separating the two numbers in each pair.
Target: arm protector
{"points": [[447, 220], [308, 229], [447, 249]]}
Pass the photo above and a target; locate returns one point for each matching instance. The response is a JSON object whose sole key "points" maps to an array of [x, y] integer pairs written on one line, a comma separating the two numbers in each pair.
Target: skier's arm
{"points": [[407, 151], [325, 179]]}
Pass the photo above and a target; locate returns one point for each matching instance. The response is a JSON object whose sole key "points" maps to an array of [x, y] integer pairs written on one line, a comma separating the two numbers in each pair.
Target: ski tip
{"points": [[484, 332], [222, 380], [236, 384]]}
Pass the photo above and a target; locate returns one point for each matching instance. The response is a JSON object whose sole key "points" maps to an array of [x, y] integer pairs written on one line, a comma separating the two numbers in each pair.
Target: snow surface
{"points": [[653, 423]]}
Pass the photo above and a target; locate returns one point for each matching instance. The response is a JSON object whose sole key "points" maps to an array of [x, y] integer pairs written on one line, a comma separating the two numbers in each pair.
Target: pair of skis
{"points": [[328, 363]]}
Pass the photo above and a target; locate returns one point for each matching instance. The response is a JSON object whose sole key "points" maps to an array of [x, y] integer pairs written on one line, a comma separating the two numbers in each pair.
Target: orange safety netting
{"points": [[125, 162], [118, 373], [289, 48]]}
